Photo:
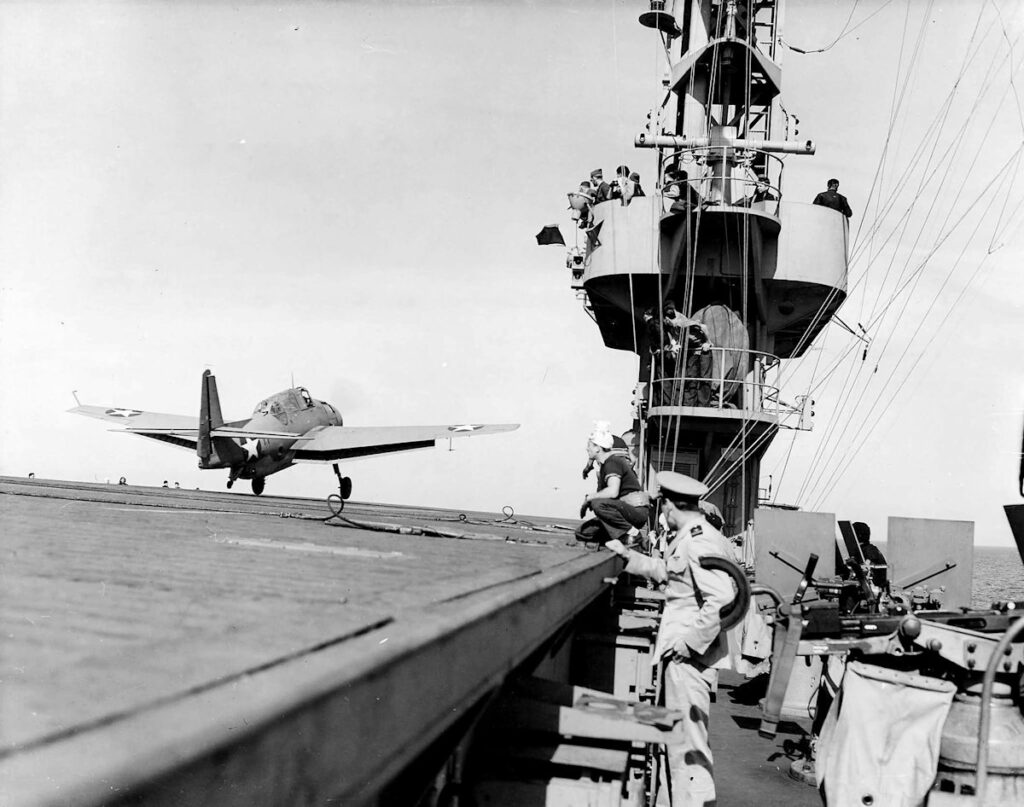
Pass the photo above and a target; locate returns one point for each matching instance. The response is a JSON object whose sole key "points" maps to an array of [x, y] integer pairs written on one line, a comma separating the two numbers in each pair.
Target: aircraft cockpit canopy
{"points": [[278, 405], [292, 400]]}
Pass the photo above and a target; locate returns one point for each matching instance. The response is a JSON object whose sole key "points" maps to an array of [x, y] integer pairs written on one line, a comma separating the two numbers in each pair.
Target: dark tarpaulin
{"points": [[550, 235], [1015, 515]]}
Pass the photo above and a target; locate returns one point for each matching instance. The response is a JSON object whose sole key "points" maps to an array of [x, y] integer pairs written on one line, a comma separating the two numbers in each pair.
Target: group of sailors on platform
{"points": [[680, 349], [624, 188], [679, 192], [681, 196]]}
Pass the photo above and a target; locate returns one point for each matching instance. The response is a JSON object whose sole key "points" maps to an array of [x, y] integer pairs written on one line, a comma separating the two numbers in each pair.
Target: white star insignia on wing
{"points": [[123, 413]]}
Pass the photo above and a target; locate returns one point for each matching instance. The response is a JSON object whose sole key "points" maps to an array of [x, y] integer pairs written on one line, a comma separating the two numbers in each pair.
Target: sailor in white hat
{"points": [[621, 506], [690, 640]]}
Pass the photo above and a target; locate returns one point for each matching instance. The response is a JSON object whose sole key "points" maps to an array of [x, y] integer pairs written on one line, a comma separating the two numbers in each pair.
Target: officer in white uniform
{"points": [[690, 640]]}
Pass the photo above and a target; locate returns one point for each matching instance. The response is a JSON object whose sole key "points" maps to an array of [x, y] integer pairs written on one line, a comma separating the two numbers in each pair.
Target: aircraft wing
{"points": [[333, 443]]}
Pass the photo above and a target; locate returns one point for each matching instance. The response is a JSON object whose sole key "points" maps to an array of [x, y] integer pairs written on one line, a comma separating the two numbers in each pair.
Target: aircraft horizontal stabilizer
{"points": [[227, 431], [177, 432], [137, 419]]}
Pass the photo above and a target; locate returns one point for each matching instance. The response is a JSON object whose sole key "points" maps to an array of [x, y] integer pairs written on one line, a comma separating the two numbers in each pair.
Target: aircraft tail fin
{"points": [[210, 418]]}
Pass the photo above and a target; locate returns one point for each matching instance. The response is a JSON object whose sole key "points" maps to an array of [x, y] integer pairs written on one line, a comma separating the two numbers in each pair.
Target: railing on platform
{"points": [[721, 179], [718, 378]]}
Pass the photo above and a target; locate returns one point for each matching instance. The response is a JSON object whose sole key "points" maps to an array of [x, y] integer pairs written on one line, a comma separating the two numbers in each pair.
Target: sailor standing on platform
{"points": [[602, 190], [833, 198], [690, 641]]}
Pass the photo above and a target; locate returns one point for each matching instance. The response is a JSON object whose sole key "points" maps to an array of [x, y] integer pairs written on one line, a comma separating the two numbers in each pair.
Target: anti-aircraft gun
{"points": [[913, 673]]}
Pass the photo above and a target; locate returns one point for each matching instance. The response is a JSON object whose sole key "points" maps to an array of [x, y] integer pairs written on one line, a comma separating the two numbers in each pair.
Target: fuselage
{"points": [[294, 411]]}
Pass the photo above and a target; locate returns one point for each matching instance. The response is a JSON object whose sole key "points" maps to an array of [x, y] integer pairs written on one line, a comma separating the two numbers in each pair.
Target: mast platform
{"points": [[182, 647], [704, 420]]}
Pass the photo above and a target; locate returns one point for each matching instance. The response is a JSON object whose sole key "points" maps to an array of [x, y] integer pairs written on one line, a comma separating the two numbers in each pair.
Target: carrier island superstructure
{"points": [[719, 236], [757, 275]]}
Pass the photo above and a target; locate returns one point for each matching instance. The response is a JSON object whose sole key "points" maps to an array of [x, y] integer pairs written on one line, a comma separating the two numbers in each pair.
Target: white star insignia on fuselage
{"points": [[252, 448]]}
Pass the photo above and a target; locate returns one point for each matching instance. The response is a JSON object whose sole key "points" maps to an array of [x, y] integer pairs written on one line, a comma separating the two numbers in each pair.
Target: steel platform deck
{"points": [[187, 647]]}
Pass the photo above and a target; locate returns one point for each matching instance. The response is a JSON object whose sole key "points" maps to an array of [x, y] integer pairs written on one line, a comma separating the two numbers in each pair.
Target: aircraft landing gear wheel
{"points": [[258, 483], [231, 483], [344, 484]]}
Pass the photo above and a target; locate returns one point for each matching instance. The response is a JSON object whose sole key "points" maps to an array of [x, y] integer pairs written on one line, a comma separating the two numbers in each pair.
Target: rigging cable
{"points": [[892, 329], [678, 386], [747, 424], [657, 206], [716, 482], [898, 95], [928, 257], [841, 359], [845, 32], [938, 120], [837, 474], [885, 153], [899, 225], [745, 246], [905, 285], [992, 246], [829, 484], [856, 251], [1009, 44], [792, 442]]}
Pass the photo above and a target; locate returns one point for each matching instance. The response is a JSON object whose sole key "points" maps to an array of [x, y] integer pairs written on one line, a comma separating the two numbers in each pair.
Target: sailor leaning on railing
{"points": [[691, 643]]}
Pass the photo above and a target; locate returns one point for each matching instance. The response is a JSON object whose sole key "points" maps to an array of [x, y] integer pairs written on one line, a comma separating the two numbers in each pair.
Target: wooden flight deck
{"points": [[173, 647], [192, 647]]}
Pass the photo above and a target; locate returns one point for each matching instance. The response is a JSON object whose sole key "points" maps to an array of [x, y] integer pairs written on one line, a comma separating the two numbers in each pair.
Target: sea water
{"points": [[998, 575]]}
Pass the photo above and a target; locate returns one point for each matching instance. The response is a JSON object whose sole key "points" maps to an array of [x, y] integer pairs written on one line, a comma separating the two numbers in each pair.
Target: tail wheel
{"points": [[258, 483]]}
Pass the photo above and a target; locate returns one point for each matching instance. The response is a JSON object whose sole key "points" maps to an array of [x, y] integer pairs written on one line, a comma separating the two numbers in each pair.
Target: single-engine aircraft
{"points": [[286, 428]]}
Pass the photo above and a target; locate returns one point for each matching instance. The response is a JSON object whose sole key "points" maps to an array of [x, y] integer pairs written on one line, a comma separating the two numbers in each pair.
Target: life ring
{"points": [[733, 613]]}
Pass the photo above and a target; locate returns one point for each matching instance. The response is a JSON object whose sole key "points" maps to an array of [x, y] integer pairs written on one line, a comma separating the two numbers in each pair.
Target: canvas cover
{"points": [[880, 741], [750, 643], [725, 330]]}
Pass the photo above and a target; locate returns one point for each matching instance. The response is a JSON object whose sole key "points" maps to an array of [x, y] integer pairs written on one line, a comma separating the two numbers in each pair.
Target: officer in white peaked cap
{"points": [[691, 643], [680, 487]]}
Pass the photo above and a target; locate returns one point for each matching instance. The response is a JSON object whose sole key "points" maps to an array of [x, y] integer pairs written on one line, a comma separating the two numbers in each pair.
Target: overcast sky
{"points": [[347, 194]]}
